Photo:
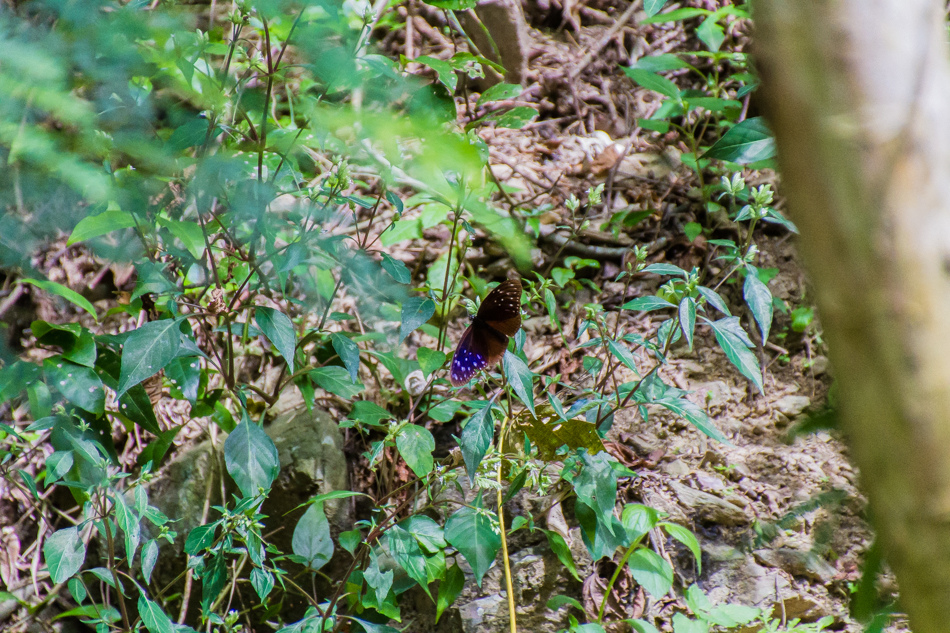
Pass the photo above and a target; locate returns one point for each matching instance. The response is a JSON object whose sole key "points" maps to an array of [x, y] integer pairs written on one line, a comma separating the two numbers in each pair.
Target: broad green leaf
{"points": [[373, 627], [650, 571], [128, 521], [96, 225], [57, 465], [660, 63], [638, 519], [349, 353], [62, 291], [759, 300], [147, 351], [601, 538], [426, 531], [336, 380], [311, 539], [154, 619], [676, 15], [76, 589], [188, 232], [647, 304], [684, 624], [406, 552], [77, 342], [415, 444], [369, 412], [516, 118], [64, 552], [449, 589], [430, 360], [499, 92], [642, 626], [151, 278], [596, 484], [279, 330], [476, 439], [262, 581], [136, 406], [251, 458], [747, 142], [688, 539], [652, 7], [520, 378], [443, 69], [80, 385], [652, 81], [415, 312], [737, 351], [473, 534], [200, 538], [184, 373]]}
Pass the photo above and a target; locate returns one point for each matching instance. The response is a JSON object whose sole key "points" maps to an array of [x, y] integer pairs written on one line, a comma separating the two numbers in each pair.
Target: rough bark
{"points": [[858, 94]]}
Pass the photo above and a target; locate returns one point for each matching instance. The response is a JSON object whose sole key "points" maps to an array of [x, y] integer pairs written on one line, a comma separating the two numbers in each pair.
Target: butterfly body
{"points": [[484, 342]]}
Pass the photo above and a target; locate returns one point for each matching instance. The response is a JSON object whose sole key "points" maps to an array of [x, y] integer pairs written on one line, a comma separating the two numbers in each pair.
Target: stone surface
{"points": [[797, 562], [792, 406], [709, 507]]}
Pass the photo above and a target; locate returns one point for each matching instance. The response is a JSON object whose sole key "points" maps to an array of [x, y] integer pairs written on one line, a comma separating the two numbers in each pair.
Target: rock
{"points": [[675, 468], [797, 562], [820, 365], [792, 406], [709, 507], [485, 614]]}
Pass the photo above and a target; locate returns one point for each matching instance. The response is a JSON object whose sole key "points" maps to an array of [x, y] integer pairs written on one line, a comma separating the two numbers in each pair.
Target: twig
{"points": [[609, 35]]}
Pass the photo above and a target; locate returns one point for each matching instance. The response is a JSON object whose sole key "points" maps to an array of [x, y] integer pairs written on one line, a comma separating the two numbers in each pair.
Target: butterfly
{"points": [[486, 339]]}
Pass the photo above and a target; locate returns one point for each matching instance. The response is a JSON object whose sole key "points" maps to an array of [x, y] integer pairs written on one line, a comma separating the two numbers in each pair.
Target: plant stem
{"points": [[501, 513]]}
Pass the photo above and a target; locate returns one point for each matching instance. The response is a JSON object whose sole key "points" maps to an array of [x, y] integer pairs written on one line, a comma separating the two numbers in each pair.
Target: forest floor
{"points": [[778, 513]]}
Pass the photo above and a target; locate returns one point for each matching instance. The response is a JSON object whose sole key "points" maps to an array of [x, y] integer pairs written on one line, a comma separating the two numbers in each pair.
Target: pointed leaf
{"points": [[147, 351], [251, 458], [279, 330]]}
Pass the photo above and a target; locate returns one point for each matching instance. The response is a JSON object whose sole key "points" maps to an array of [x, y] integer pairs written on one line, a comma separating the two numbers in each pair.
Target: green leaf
{"points": [[426, 531], [516, 118], [96, 225], [638, 519], [688, 539], [312, 539], [802, 317], [147, 351], [64, 552], [251, 458], [449, 589], [563, 552], [499, 92], [665, 269], [642, 626], [336, 379], [405, 550], [396, 269], [200, 538], [416, 444], [57, 465], [647, 304], [279, 330], [415, 312], [676, 15], [596, 484], [80, 385], [476, 439], [711, 34], [687, 314], [712, 298], [154, 619], [349, 353], [62, 291], [149, 558], [693, 414], [652, 7], [520, 378], [184, 373], [136, 406], [747, 142], [188, 232], [443, 69], [650, 571], [660, 63], [77, 342], [737, 350], [652, 81], [262, 581], [759, 300], [369, 413], [430, 360], [624, 355], [470, 531]]}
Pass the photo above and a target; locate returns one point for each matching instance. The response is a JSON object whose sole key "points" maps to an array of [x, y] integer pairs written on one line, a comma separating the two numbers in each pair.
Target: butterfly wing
{"points": [[481, 346], [501, 309]]}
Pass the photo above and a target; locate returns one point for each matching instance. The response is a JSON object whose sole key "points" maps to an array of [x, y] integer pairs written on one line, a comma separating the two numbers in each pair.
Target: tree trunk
{"points": [[858, 95]]}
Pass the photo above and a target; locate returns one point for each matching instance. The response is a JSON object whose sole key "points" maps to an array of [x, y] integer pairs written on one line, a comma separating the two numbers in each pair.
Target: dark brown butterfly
{"points": [[486, 339]]}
